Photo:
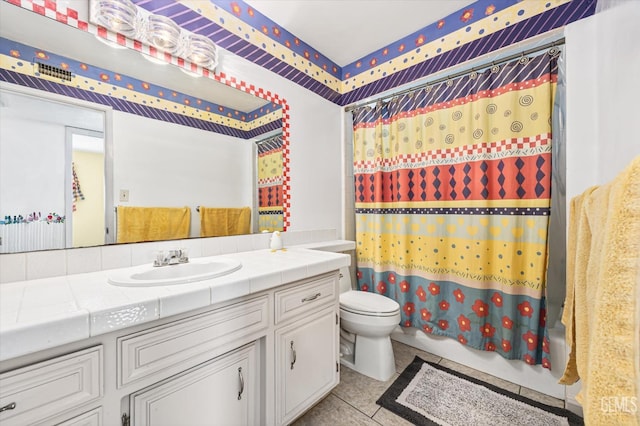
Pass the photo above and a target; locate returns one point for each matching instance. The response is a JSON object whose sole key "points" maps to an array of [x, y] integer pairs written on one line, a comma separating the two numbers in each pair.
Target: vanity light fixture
{"points": [[160, 32], [120, 16], [163, 34], [201, 51]]}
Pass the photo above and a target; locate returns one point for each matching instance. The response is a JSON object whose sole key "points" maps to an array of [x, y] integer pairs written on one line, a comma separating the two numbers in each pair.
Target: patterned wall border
{"points": [[461, 36], [68, 16], [554, 18], [21, 59]]}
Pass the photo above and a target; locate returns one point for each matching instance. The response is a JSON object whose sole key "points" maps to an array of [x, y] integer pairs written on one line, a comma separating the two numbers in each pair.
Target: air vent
{"points": [[54, 72]]}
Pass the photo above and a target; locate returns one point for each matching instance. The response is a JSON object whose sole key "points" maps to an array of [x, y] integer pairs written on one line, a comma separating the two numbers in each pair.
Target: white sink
{"points": [[150, 276]]}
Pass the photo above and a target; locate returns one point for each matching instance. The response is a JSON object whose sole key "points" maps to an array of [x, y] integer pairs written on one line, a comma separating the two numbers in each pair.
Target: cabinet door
{"points": [[307, 363], [220, 392]]}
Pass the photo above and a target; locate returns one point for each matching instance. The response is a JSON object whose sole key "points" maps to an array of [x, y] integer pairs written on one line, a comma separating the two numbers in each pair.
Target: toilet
{"points": [[366, 322]]}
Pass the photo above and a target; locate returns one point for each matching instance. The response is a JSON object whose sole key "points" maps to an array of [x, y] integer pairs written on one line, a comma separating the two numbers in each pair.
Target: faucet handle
{"points": [[160, 258], [184, 255]]}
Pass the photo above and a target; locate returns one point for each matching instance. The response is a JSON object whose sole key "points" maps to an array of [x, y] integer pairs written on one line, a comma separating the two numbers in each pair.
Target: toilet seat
{"points": [[369, 304]]}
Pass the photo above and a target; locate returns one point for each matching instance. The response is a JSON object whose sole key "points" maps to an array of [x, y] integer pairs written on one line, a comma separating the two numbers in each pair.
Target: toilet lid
{"points": [[365, 303]]}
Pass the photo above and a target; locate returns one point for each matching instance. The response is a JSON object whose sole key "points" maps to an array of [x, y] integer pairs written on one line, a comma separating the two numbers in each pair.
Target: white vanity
{"points": [[256, 346]]}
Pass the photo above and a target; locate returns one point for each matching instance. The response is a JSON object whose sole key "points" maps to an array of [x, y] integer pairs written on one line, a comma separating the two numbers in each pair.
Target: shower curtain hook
{"points": [[524, 60]]}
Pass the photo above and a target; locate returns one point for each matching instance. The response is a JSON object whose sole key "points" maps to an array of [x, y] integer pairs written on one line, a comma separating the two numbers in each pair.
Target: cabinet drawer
{"points": [[182, 344], [92, 418], [300, 299], [46, 389]]}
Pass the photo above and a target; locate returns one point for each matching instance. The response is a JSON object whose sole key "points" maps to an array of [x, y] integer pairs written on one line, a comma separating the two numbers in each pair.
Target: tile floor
{"points": [[353, 401]]}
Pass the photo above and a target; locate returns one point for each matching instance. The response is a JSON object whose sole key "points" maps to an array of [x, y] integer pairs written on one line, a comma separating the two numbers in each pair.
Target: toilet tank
{"points": [[345, 279], [339, 246]]}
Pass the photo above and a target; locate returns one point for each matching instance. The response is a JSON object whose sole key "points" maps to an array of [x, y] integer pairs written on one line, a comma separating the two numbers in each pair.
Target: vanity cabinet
{"points": [[306, 353], [260, 359], [223, 391]]}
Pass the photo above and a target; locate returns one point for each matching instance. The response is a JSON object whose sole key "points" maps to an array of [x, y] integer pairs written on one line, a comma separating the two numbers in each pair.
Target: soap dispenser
{"points": [[276, 241]]}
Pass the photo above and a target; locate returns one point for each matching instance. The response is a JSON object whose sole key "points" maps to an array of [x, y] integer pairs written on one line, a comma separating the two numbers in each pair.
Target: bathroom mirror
{"points": [[171, 160]]}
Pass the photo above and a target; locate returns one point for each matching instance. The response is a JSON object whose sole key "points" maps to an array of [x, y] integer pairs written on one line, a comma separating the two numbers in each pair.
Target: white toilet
{"points": [[366, 322]]}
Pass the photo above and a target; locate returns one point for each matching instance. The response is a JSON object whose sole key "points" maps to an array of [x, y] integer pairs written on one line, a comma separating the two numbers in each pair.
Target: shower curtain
{"points": [[270, 202], [452, 188]]}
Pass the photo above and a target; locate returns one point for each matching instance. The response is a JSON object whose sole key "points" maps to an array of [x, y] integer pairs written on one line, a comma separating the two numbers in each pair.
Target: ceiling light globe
{"points": [[201, 51], [163, 34], [120, 16]]}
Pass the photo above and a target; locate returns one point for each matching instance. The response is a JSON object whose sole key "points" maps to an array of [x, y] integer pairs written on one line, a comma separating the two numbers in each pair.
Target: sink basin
{"points": [[149, 276]]}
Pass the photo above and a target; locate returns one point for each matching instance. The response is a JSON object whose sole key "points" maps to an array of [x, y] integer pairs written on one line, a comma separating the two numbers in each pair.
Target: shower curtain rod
{"points": [[552, 44], [270, 138]]}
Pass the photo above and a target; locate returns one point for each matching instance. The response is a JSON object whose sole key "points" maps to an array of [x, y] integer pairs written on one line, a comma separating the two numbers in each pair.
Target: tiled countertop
{"points": [[45, 313]]}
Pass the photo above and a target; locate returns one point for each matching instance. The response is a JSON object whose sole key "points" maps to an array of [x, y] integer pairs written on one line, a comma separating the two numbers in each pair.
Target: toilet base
{"points": [[373, 357]]}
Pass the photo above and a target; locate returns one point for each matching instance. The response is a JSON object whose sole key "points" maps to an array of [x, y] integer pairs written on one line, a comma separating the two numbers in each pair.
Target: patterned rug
{"points": [[429, 394]]}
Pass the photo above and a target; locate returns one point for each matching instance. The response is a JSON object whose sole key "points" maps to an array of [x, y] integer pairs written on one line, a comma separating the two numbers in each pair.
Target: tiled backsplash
{"points": [[53, 263]]}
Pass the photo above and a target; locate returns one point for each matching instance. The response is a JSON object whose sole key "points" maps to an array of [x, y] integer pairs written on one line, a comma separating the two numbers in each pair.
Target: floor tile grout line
{"points": [[356, 408], [374, 414]]}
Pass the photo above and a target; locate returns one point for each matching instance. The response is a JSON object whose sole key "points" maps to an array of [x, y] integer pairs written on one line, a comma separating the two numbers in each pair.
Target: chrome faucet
{"points": [[171, 257]]}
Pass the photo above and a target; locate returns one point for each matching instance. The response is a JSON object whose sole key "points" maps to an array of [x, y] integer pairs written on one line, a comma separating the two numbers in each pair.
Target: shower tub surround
{"points": [[262, 340]]}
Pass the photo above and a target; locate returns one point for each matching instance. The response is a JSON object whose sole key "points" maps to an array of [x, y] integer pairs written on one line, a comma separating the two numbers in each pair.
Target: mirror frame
{"points": [[69, 17]]}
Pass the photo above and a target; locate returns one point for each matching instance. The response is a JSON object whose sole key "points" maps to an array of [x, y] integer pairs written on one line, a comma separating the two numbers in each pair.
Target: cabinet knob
{"points": [[293, 355], [8, 407]]}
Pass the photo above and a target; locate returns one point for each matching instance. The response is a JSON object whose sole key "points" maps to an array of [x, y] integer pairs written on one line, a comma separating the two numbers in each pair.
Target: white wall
{"points": [[603, 66], [32, 151], [167, 165], [32, 167], [316, 151]]}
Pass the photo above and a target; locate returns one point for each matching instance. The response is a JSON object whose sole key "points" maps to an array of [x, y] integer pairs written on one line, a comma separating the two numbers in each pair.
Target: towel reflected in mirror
{"points": [[222, 221], [137, 224]]}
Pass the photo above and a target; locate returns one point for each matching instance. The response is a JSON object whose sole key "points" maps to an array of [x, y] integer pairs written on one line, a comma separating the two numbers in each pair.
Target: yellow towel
{"points": [[218, 222], [578, 246], [137, 224], [601, 307]]}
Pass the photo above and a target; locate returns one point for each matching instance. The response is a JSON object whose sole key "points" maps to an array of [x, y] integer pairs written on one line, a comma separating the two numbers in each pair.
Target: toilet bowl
{"points": [[366, 322]]}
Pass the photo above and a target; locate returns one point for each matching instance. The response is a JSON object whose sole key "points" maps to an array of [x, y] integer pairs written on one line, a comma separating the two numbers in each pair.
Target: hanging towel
{"points": [[601, 306], [578, 247], [218, 222], [137, 224], [75, 187]]}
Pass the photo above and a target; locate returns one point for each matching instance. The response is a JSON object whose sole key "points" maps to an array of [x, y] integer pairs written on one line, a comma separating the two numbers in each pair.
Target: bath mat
{"points": [[429, 394]]}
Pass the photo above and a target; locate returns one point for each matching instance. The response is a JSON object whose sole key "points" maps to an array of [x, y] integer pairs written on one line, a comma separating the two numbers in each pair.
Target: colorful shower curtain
{"points": [[452, 187], [270, 176]]}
